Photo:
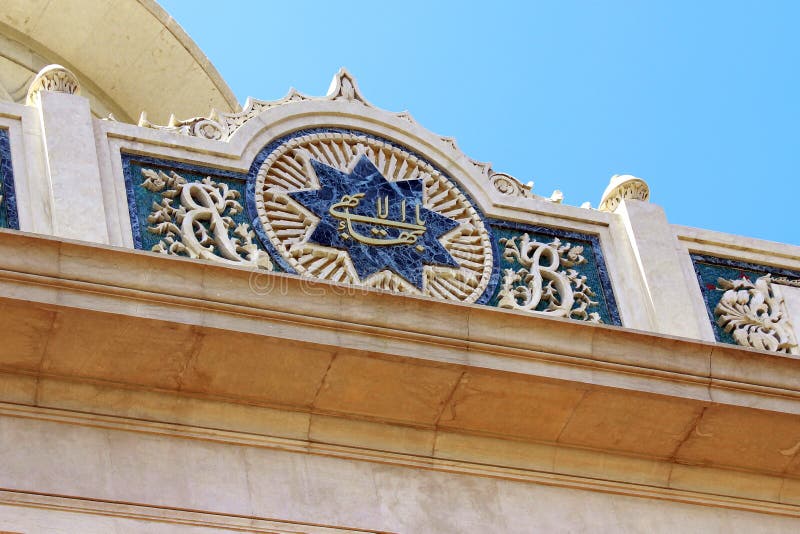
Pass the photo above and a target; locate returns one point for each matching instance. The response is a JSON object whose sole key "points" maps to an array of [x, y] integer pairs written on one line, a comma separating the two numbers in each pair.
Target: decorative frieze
{"points": [[347, 206], [186, 210], [754, 314], [384, 205], [546, 281], [552, 272], [196, 220], [747, 303]]}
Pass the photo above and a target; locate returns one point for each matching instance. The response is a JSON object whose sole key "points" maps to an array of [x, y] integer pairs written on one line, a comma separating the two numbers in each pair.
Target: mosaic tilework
{"points": [[594, 268], [8, 205], [375, 240], [710, 268], [592, 271], [141, 199], [335, 148]]}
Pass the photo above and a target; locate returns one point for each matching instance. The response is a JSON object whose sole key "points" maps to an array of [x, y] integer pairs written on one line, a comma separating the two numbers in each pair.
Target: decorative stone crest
{"points": [[346, 206], [546, 282], [623, 186], [52, 78], [508, 185], [195, 220], [755, 314], [220, 126]]}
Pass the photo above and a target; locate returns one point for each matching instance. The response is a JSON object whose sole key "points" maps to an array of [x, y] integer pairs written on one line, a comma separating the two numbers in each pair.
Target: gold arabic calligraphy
{"points": [[411, 231]]}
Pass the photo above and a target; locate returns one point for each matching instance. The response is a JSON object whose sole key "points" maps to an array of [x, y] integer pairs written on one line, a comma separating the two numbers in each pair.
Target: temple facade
{"points": [[314, 315]]}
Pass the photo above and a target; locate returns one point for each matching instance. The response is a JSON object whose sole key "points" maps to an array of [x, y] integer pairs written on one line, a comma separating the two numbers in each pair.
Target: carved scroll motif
{"points": [[755, 315], [546, 283], [195, 219]]}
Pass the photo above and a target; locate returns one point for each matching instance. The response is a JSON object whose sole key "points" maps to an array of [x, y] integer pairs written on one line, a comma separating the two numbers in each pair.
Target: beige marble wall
{"points": [[234, 480]]}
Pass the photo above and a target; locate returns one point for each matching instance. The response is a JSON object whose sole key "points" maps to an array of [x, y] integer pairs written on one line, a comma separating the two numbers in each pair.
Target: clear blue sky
{"points": [[699, 98]]}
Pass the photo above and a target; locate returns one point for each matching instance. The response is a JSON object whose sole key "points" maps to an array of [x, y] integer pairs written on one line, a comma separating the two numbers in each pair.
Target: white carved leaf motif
{"points": [[546, 278], [196, 220], [755, 315]]}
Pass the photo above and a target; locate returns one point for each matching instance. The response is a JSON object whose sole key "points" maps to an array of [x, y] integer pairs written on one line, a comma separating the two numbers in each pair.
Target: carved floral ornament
{"points": [[755, 313], [195, 220], [546, 282]]}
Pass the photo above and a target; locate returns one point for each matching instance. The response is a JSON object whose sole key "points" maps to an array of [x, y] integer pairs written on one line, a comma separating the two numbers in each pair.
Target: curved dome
{"points": [[129, 55]]}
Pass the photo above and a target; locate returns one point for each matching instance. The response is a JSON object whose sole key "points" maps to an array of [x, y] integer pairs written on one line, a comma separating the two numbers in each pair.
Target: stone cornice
{"points": [[123, 275], [150, 323]]}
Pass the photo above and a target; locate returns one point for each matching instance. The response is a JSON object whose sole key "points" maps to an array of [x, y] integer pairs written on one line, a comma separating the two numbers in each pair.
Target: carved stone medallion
{"points": [[346, 206]]}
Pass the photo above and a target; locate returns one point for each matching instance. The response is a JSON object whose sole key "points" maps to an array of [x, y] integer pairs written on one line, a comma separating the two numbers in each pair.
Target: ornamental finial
{"points": [[52, 78], [623, 187]]}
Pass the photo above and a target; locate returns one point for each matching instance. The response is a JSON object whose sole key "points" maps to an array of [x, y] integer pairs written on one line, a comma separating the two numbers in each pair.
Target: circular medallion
{"points": [[346, 206]]}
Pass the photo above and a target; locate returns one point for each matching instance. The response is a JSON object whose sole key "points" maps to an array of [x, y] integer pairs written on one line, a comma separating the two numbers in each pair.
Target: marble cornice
{"points": [[128, 276], [148, 323]]}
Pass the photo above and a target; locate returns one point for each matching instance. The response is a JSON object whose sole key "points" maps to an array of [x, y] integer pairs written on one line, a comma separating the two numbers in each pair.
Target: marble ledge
{"points": [[199, 294], [738, 247], [140, 321]]}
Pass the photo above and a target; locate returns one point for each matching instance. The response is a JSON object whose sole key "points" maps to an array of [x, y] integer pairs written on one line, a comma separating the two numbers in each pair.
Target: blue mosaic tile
{"points": [[403, 238], [710, 268], [273, 145], [594, 269], [141, 200], [406, 260], [8, 206]]}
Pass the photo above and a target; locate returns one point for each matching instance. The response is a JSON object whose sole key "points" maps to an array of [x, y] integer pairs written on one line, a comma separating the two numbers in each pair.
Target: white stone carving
{"points": [[344, 87], [755, 315], [219, 126], [546, 277], [508, 185], [53, 78], [195, 219], [289, 225], [623, 186]]}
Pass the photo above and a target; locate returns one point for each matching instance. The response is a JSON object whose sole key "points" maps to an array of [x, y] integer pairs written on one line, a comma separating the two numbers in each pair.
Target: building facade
{"points": [[314, 315]]}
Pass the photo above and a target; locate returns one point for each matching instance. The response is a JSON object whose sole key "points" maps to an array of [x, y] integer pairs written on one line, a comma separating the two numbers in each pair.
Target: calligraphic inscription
{"points": [[346, 206], [381, 224]]}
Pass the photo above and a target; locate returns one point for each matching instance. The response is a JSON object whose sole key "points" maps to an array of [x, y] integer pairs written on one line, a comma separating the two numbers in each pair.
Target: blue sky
{"points": [[699, 98]]}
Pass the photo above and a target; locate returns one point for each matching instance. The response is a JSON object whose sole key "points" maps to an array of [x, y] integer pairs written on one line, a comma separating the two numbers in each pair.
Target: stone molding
{"points": [[696, 492], [184, 302], [168, 516]]}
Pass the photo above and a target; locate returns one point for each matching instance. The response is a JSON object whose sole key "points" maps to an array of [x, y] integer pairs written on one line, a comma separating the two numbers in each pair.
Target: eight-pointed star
{"points": [[406, 260]]}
